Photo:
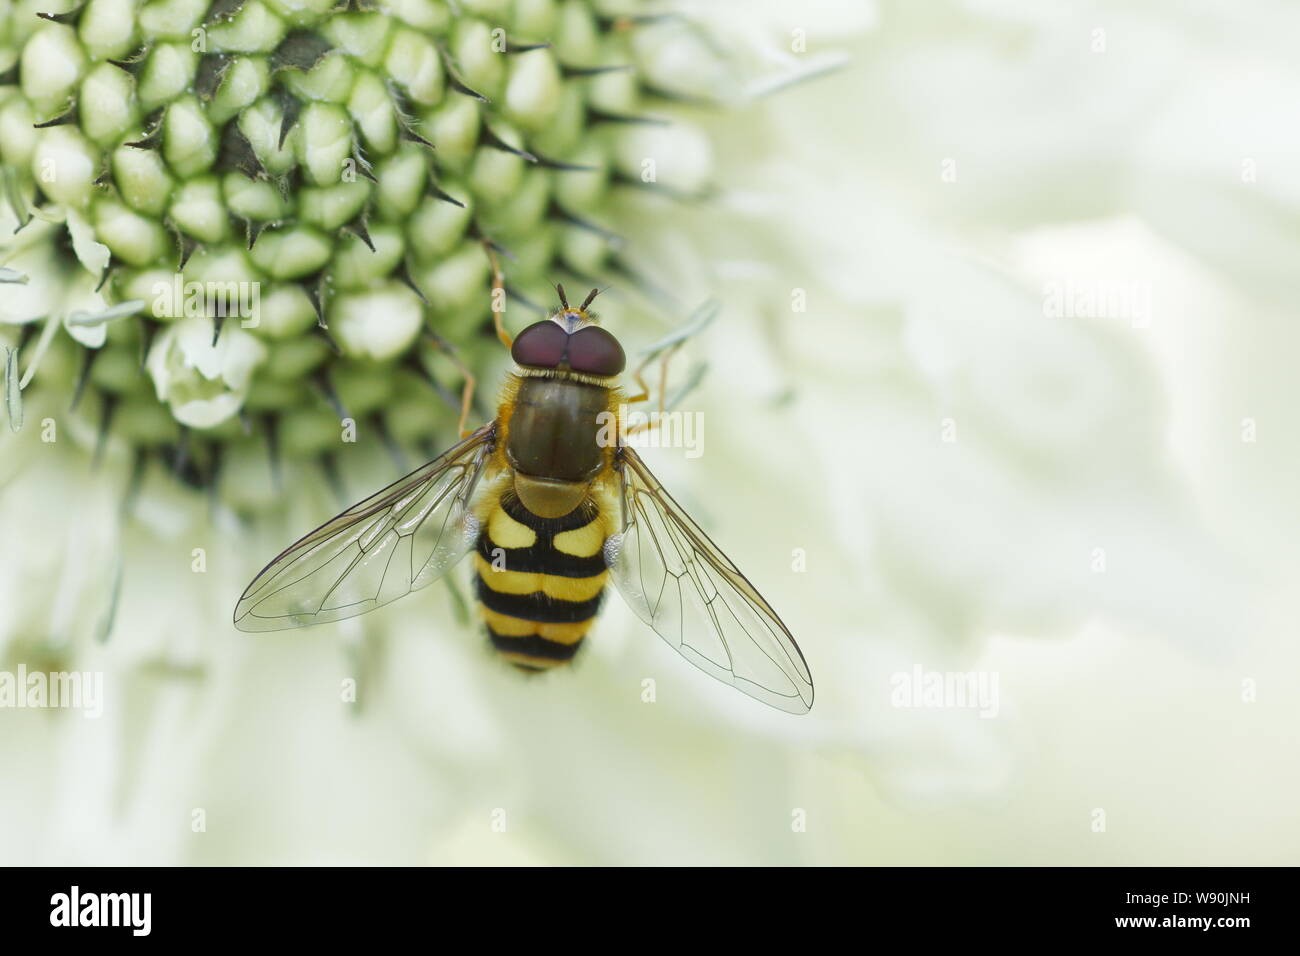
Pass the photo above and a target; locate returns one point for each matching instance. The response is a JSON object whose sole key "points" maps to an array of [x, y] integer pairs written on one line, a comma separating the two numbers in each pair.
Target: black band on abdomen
{"points": [[534, 646], [541, 558], [537, 606]]}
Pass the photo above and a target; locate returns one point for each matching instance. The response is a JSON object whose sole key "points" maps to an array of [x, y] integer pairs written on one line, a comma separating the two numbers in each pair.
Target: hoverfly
{"points": [[551, 512]]}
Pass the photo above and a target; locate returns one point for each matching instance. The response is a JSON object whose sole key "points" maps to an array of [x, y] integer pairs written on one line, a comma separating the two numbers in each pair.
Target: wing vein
{"points": [[299, 586], [730, 632]]}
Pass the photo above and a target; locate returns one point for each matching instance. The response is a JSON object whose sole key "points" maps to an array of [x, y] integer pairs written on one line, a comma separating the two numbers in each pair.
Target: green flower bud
{"points": [[107, 28], [286, 313], [254, 29], [379, 324], [197, 208], [292, 254], [142, 179], [296, 206], [18, 134], [172, 19], [532, 96], [479, 50], [64, 164], [168, 72], [254, 199], [133, 238], [107, 104], [357, 265], [413, 62], [330, 80], [330, 207], [52, 65], [245, 81], [372, 110], [364, 38], [325, 143], [189, 143]]}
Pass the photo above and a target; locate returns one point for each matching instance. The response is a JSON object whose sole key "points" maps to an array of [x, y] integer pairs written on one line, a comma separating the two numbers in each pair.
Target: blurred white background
{"points": [[1096, 509]]}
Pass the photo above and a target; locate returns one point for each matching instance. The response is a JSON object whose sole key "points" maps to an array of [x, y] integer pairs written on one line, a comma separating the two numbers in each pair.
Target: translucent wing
{"points": [[679, 583], [379, 550]]}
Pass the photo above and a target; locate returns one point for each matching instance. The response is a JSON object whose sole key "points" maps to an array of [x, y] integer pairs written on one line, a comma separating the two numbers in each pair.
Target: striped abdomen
{"points": [[540, 581]]}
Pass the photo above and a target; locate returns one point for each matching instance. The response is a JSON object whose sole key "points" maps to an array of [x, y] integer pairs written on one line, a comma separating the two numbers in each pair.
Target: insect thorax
{"points": [[554, 429]]}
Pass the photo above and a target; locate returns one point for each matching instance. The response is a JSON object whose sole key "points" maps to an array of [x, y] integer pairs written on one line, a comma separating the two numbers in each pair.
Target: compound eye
{"points": [[541, 345], [596, 352]]}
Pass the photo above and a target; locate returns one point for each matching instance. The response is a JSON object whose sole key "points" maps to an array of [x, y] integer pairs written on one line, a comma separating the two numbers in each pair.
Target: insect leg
{"points": [[664, 358], [467, 390], [663, 376], [498, 296], [637, 374]]}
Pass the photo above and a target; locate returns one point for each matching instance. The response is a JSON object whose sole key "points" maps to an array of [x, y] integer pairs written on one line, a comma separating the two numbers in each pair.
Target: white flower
{"points": [[40, 284], [915, 463], [203, 382], [380, 323]]}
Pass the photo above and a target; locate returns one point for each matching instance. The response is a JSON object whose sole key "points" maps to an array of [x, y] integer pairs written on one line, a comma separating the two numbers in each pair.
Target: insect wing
{"points": [[696, 599], [379, 550]]}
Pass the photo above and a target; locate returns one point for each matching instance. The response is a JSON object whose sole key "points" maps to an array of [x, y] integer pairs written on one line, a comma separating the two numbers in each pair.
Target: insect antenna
{"points": [[564, 301], [587, 301]]}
